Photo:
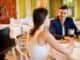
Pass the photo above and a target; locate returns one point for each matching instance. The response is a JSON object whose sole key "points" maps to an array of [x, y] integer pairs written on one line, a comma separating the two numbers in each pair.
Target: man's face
{"points": [[62, 13]]}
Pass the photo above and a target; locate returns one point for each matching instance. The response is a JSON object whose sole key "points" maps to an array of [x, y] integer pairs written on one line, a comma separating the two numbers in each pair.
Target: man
{"points": [[60, 26]]}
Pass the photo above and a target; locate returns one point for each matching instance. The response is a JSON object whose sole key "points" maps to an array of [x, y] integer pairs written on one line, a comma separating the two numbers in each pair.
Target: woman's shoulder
{"points": [[44, 33], [41, 34]]}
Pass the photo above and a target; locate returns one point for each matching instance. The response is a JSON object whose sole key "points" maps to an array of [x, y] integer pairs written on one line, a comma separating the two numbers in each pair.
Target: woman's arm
{"points": [[55, 44]]}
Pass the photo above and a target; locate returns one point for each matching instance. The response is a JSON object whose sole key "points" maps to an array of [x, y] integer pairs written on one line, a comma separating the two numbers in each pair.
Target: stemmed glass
{"points": [[71, 33]]}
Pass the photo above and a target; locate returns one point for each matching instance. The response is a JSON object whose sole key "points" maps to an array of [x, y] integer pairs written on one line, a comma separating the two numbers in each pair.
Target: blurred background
{"points": [[17, 14], [21, 9]]}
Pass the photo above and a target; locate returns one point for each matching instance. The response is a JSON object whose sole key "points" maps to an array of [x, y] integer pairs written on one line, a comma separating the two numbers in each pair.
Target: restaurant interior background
{"points": [[18, 13], [21, 9]]}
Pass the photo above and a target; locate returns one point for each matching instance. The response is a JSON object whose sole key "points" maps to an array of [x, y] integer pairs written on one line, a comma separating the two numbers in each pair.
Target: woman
{"points": [[41, 40]]}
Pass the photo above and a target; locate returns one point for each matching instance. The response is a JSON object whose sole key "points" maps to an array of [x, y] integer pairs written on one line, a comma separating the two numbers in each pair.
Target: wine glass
{"points": [[71, 33]]}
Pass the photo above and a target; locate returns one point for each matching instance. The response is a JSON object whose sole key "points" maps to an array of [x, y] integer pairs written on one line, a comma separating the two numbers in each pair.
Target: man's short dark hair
{"points": [[64, 7]]}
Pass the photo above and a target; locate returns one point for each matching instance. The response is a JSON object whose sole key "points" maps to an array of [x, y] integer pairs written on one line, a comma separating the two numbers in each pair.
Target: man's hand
{"points": [[65, 40], [69, 40]]}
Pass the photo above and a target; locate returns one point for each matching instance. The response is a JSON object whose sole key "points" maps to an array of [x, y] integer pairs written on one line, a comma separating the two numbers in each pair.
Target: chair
{"points": [[6, 43], [17, 51], [21, 48]]}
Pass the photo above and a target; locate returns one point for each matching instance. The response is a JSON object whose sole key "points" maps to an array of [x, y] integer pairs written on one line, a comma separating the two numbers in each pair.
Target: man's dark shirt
{"points": [[56, 27]]}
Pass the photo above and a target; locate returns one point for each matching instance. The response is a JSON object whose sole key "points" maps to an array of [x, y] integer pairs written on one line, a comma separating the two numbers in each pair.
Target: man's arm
{"points": [[73, 25]]}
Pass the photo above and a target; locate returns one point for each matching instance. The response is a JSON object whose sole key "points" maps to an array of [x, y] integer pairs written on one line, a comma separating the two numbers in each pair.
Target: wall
{"points": [[78, 9], [9, 10], [22, 8], [54, 5], [33, 5]]}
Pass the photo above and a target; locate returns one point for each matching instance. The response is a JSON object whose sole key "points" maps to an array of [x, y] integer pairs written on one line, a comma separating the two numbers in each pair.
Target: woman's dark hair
{"points": [[39, 15]]}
